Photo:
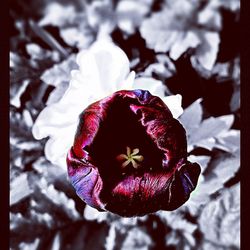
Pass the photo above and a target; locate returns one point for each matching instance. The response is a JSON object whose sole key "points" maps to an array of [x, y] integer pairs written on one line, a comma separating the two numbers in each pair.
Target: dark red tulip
{"points": [[130, 156]]}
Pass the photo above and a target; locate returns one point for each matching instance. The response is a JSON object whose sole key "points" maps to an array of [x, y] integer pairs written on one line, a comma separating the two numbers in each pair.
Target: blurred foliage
{"points": [[186, 44]]}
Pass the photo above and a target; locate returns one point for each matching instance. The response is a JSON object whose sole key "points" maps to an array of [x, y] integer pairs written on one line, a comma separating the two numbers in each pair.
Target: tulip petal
{"points": [[163, 179]]}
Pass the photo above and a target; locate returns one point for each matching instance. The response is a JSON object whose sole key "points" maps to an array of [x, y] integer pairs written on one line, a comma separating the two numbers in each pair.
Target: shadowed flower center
{"points": [[136, 156], [122, 145]]}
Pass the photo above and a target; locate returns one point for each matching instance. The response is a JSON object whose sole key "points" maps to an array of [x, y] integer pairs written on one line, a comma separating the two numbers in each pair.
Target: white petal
{"points": [[102, 70], [128, 83], [57, 147], [174, 104], [54, 118], [108, 62], [155, 87]]}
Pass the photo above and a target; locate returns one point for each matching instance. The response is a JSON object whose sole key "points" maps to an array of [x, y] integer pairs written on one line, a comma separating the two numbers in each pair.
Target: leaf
{"points": [[21, 69], [28, 227], [176, 221], [137, 239], [58, 198], [207, 245], [226, 167], [110, 239], [220, 170], [155, 30], [179, 241], [37, 53], [204, 133], [17, 93], [41, 218], [236, 70], [15, 59], [233, 5], [188, 39], [80, 37], [93, 214], [229, 141], [48, 38], [31, 145], [49, 171], [192, 116], [19, 189], [56, 244], [60, 72], [73, 25], [164, 68], [79, 239], [157, 69], [27, 118], [206, 52], [235, 100], [29, 246], [202, 160], [57, 14], [220, 219], [101, 13], [166, 61], [230, 71], [182, 230], [131, 13], [210, 16], [221, 69], [24, 149], [180, 26], [163, 29], [211, 127]]}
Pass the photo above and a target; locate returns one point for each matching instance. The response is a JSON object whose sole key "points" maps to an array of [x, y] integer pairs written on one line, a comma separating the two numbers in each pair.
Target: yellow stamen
{"points": [[132, 158], [128, 151], [121, 157], [135, 151]]}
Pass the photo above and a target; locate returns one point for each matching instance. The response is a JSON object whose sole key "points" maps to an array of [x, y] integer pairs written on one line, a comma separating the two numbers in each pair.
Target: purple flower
{"points": [[130, 156]]}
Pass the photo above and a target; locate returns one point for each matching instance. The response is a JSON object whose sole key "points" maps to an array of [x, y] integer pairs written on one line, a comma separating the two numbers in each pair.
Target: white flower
{"points": [[103, 69]]}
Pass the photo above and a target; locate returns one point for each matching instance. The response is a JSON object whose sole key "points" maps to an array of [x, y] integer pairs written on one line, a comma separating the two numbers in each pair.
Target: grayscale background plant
{"points": [[186, 52]]}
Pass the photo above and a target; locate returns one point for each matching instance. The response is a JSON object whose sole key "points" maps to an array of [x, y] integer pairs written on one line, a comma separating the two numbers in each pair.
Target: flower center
{"points": [[130, 157]]}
